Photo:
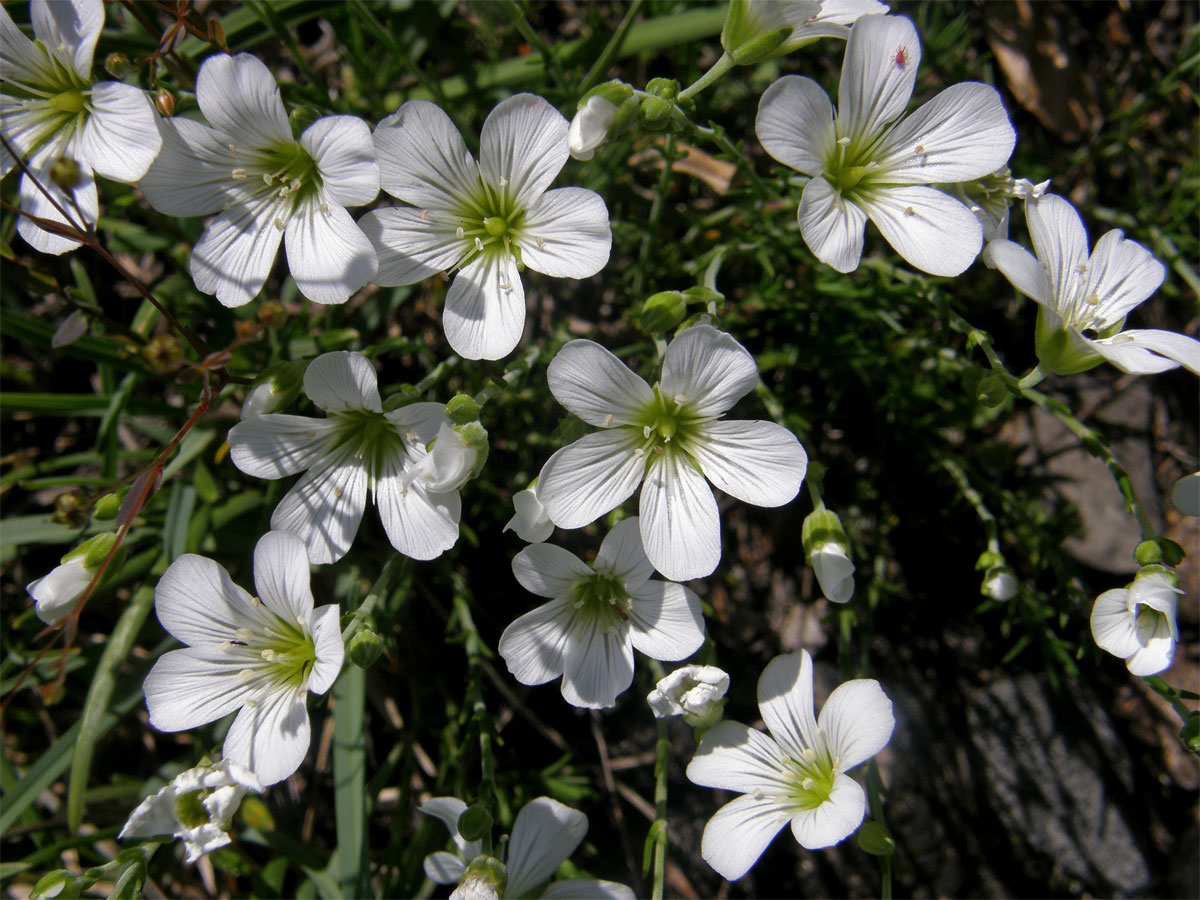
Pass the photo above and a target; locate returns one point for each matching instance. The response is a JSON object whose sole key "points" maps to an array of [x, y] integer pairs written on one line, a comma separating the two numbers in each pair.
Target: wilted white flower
{"points": [[1138, 623], [694, 692], [55, 594], [448, 464], [589, 128], [530, 522]]}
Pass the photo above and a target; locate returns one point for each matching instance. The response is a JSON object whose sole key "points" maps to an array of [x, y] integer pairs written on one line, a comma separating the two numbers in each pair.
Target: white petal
{"points": [[281, 575], [56, 593], [26, 124], [596, 386], [193, 168], [485, 308], [35, 202], [418, 422], [191, 686], [666, 620], [276, 445], [120, 138], [835, 572], [544, 834], [1157, 650], [423, 159], [448, 810], [20, 59], [857, 722], [1114, 627], [878, 74], [835, 819], [197, 602], [344, 379], [709, 369], [236, 251], [325, 627], [239, 97], [586, 479], [587, 889], [324, 508], [328, 254], [420, 524], [410, 245], [734, 757], [680, 526], [795, 124], [757, 462], [738, 833], [1022, 269], [270, 736], [961, 134], [69, 30], [1179, 347], [831, 226], [342, 148], [548, 570], [1132, 351], [443, 868], [566, 233], [847, 12], [933, 231], [1121, 273], [532, 646], [523, 143], [785, 699], [621, 554], [597, 663], [1061, 244], [530, 521]]}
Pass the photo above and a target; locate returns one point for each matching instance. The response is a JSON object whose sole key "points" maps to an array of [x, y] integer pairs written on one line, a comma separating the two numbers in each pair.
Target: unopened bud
{"points": [[366, 647], [70, 508], [663, 311], [759, 48], [58, 885], [1000, 583], [164, 102], [274, 388], [475, 822], [991, 390], [108, 506], [875, 839], [116, 65], [1158, 550], [462, 409]]}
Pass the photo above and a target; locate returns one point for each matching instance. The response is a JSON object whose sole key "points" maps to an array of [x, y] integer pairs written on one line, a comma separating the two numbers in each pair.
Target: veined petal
{"points": [[1137, 351], [597, 663], [1022, 270], [666, 621], [324, 507], [734, 757], [410, 245], [878, 74], [443, 868], [757, 462], [586, 479], [277, 445], [566, 233], [192, 686], [962, 133], [680, 526], [69, 30], [239, 97], [423, 160], [448, 810], [325, 627], [832, 226], [34, 201], [857, 722], [795, 124], [739, 832], [847, 12], [26, 124], [522, 147], [328, 254], [933, 231], [197, 602], [1157, 647], [621, 554], [20, 59], [532, 646], [120, 138], [342, 148], [192, 171], [485, 308], [420, 524], [234, 255], [419, 423], [835, 819], [270, 736], [1061, 244], [544, 834], [785, 699], [1121, 274], [548, 570], [342, 380], [587, 889], [596, 386], [281, 575], [1114, 627], [709, 369]]}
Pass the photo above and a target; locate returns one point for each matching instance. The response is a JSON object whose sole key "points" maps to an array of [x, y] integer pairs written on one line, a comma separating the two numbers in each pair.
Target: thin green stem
{"points": [[656, 208], [659, 829], [875, 791], [378, 591], [719, 68], [973, 497], [481, 721], [1171, 695], [611, 49]]}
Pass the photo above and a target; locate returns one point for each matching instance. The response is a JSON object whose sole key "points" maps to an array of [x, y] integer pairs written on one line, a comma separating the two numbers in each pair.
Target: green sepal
{"points": [[93, 551], [109, 505], [1158, 550], [462, 409], [875, 839], [1061, 350], [663, 311], [475, 822], [755, 50], [821, 526]]}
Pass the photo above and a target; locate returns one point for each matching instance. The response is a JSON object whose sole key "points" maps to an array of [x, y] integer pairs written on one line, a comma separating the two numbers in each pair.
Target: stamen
{"points": [[608, 419], [458, 232], [424, 213], [679, 399], [280, 224], [478, 244], [541, 243], [238, 174], [268, 655], [246, 675], [245, 635], [647, 431]]}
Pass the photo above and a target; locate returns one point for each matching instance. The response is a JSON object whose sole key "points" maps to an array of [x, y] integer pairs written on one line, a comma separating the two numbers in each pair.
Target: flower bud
{"points": [[694, 692], [116, 65], [875, 839], [590, 126], [366, 646], [274, 388], [70, 508], [759, 48], [56, 593], [164, 102], [1000, 583], [462, 409], [663, 311], [484, 879], [991, 390], [58, 885], [475, 822], [452, 458], [530, 522], [828, 550], [108, 506]]}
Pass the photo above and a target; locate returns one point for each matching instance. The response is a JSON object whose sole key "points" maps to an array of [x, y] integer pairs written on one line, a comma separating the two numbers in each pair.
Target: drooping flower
{"points": [[451, 460], [529, 520], [1083, 300], [355, 450], [828, 550], [257, 655], [51, 111], [695, 692], [483, 219], [749, 25], [197, 807], [1138, 623], [265, 186], [589, 128], [596, 616], [797, 773], [1000, 583], [869, 161], [56, 593], [672, 436]]}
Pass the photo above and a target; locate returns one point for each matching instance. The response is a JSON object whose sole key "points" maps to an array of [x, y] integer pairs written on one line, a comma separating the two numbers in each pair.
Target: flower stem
{"points": [[972, 496], [658, 831], [611, 49], [875, 792], [719, 68], [1172, 695], [480, 719]]}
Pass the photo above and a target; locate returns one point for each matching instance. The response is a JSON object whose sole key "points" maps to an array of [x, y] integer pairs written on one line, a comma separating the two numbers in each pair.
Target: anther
{"points": [[478, 244], [647, 431], [458, 232], [246, 675], [843, 141], [608, 419], [268, 655], [245, 635], [280, 224], [238, 174]]}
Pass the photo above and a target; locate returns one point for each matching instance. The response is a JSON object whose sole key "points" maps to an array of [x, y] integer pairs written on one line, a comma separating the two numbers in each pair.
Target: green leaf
{"points": [[349, 864]]}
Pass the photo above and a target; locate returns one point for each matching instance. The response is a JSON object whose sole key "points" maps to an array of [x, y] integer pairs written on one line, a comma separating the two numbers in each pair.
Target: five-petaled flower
{"points": [[672, 437], [797, 774], [867, 162], [50, 111], [596, 616], [1138, 623], [259, 655], [265, 185], [356, 448], [487, 219]]}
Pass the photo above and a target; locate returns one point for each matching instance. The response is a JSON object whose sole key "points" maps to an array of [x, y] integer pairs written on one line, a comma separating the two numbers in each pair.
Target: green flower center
{"points": [[810, 779], [602, 598], [490, 222], [70, 101], [371, 438], [667, 425], [286, 173]]}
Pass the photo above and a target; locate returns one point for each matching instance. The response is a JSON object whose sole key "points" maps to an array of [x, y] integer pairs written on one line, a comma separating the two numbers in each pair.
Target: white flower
{"points": [[266, 186], [596, 616], [694, 692], [259, 655], [1138, 623], [808, 19], [797, 774], [357, 448], [483, 219], [51, 110], [999, 583], [589, 127], [448, 464], [1083, 300], [530, 521], [834, 570], [870, 162], [672, 437], [197, 807], [56, 593]]}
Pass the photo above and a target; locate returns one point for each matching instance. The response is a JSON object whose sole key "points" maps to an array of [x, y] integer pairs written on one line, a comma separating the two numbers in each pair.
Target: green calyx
{"points": [[376, 438], [290, 171], [810, 778], [69, 101], [602, 597]]}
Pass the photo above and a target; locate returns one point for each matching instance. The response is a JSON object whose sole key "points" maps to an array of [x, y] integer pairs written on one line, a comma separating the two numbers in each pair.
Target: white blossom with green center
{"points": [[257, 655], [485, 220], [597, 615], [671, 437], [356, 451], [796, 773], [1139, 623], [54, 117], [1083, 299], [868, 161], [264, 185]]}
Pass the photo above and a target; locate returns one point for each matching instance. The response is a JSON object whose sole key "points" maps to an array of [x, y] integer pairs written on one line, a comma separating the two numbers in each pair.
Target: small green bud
{"points": [[64, 172], [93, 551], [1158, 550], [655, 110], [164, 102], [475, 822], [615, 92], [1190, 733], [57, 885], [275, 387], [663, 311], [755, 50], [116, 65], [991, 390], [366, 646], [462, 409], [875, 839], [700, 294], [667, 88], [109, 505]]}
